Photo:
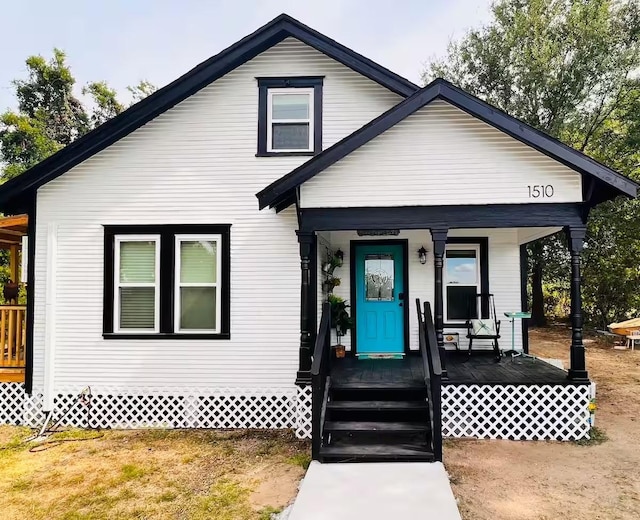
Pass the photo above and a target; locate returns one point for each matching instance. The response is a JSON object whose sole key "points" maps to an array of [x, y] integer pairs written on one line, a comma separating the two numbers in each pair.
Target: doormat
{"points": [[380, 356]]}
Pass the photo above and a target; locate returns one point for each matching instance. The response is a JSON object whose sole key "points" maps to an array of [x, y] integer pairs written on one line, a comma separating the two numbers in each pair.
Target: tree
{"points": [[49, 116], [562, 66]]}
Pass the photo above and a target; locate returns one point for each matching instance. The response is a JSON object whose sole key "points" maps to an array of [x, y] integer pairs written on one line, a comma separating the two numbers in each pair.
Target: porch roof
{"points": [[600, 182], [12, 229]]}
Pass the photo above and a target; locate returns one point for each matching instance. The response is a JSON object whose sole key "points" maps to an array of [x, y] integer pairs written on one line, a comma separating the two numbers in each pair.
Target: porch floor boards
{"points": [[480, 368]]}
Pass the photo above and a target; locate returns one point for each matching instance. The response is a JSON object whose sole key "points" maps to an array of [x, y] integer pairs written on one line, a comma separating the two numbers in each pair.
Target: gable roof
{"points": [[281, 193], [265, 37]]}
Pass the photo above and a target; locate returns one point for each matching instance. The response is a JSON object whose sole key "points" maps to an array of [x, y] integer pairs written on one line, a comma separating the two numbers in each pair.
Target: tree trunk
{"points": [[538, 318]]}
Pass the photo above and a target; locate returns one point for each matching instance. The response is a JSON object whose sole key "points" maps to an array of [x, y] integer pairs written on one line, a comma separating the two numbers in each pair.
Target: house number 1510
{"points": [[537, 191]]}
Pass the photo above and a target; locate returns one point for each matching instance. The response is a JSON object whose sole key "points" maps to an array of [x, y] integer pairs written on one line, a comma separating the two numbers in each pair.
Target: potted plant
{"points": [[340, 320], [330, 284]]}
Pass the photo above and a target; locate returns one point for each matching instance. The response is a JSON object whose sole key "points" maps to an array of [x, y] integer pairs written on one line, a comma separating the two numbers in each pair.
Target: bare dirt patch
{"points": [[154, 474], [551, 480]]}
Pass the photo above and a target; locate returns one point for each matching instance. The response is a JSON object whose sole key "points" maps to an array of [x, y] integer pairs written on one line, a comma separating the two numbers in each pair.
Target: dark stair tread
{"points": [[377, 405], [377, 426], [377, 385], [377, 452]]}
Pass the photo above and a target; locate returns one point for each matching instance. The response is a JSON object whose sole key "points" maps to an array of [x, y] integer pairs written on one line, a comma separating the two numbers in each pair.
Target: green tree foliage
{"points": [[49, 116], [566, 68]]}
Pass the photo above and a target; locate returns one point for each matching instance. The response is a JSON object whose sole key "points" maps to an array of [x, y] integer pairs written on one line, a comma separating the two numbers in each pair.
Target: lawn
{"points": [[149, 474], [551, 480]]}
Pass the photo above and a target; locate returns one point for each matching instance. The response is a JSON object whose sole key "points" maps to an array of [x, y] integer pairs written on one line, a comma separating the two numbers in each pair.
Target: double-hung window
{"points": [[290, 120], [197, 275], [137, 276], [289, 116], [167, 281], [462, 282]]}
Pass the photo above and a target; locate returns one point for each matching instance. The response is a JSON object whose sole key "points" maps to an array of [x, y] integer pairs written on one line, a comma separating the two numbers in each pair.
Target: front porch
{"points": [[478, 369], [13, 313], [517, 399]]}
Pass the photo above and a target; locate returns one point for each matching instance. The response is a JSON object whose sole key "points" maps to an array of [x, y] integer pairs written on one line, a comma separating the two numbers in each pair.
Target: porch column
{"points": [[307, 241], [439, 237], [575, 238]]}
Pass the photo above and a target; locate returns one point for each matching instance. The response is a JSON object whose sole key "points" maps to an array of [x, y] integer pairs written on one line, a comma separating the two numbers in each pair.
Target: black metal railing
{"points": [[432, 374], [320, 380]]}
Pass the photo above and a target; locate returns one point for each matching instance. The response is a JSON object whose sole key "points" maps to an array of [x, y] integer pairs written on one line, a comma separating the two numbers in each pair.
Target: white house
{"points": [[158, 280]]}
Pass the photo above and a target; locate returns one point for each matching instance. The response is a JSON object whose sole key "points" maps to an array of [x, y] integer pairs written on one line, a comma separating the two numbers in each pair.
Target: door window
{"points": [[379, 277]]}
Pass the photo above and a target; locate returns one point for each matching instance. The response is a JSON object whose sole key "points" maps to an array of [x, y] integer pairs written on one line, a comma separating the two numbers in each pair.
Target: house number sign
{"points": [[540, 191]]}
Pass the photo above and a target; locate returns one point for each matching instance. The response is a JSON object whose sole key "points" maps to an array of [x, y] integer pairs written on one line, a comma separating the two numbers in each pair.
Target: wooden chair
{"points": [[484, 327]]}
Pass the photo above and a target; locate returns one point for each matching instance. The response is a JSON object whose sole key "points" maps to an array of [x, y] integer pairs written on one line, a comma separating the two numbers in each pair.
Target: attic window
{"points": [[290, 116]]}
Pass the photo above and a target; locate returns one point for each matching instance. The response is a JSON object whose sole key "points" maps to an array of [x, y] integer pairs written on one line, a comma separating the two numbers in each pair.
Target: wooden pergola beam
{"points": [[15, 220]]}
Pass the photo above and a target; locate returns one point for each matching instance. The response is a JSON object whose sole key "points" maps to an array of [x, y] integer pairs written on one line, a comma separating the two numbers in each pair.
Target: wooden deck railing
{"points": [[13, 336]]}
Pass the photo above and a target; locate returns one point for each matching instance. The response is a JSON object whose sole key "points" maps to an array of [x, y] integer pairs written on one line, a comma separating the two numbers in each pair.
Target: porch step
{"points": [[377, 405], [355, 452], [376, 426], [379, 392]]}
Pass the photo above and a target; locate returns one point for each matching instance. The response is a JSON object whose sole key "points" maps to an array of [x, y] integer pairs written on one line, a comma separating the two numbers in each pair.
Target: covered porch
{"points": [[414, 253], [13, 310]]}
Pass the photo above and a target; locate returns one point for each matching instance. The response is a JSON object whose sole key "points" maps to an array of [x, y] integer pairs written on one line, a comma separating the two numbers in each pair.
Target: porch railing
{"points": [[432, 374], [320, 379], [13, 336]]}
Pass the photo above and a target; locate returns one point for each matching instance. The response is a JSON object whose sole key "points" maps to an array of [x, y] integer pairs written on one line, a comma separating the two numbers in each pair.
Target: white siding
{"points": [[193, 164], [504, 276], [436, 156]]}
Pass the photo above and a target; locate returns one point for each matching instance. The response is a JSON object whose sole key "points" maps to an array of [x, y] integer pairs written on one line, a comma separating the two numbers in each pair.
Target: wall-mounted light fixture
{"points": [[422, 255]]}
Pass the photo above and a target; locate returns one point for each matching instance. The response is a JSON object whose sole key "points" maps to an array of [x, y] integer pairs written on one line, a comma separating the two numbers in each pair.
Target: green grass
{"points": [[132, 472], [300, 459], [268, 512], [596, 437]]}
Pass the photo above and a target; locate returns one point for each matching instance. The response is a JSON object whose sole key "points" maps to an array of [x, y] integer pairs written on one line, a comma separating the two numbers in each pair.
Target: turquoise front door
{"points": [[379, 286]]}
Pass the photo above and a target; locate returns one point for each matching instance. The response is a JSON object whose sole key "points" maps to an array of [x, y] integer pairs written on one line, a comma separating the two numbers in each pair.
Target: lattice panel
{"points": [[518, 412], [11, 403], [303, 412], [151, 409]]}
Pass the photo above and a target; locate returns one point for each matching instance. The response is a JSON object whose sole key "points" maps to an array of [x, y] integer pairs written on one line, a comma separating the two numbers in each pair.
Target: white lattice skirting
{"points": [[12, 403], [518, 412], [303, 412], [152, 408]]}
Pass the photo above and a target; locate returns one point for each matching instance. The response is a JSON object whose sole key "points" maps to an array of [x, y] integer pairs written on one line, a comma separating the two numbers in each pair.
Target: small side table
{"points": [[452, 338], [513, 316]]}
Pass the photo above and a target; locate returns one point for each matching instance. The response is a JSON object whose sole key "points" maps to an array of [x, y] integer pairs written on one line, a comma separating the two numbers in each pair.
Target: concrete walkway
{"points": [[386, 490]]}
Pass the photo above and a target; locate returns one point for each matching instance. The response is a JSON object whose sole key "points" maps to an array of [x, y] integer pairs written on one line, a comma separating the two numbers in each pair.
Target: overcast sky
{"points": [[125, 41]]}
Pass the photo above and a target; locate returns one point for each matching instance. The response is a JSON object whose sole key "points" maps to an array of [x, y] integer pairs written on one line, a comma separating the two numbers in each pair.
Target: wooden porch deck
{"points": [[480, 368]]}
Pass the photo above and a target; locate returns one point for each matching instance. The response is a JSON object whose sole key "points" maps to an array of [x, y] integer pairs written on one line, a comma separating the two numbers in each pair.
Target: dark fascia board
{"points": [[273, 194], [202, 75], [443, 217]]}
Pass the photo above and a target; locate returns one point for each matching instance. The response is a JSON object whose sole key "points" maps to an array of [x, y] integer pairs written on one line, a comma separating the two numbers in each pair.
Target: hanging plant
{"points": [[330, 284]]}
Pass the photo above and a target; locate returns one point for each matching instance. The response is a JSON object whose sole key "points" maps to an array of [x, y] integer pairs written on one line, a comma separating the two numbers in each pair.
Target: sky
{"points": [[125, 41]]}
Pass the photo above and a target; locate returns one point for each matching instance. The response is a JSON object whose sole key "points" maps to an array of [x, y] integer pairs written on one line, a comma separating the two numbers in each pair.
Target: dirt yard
{"points": [[149, 475], [503, 480]]}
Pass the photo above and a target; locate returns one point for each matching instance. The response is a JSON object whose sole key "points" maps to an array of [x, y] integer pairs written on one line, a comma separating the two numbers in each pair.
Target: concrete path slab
{"points": [[386, 490]]}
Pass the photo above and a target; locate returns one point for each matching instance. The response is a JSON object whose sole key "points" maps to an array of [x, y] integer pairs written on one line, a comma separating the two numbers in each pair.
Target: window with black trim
{"points": [[168, 281], [465, 275], [289, 116]]}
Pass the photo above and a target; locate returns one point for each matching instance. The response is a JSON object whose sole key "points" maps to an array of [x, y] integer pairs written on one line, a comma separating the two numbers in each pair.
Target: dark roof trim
{"points": [[277, 191], [202, 75]]}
